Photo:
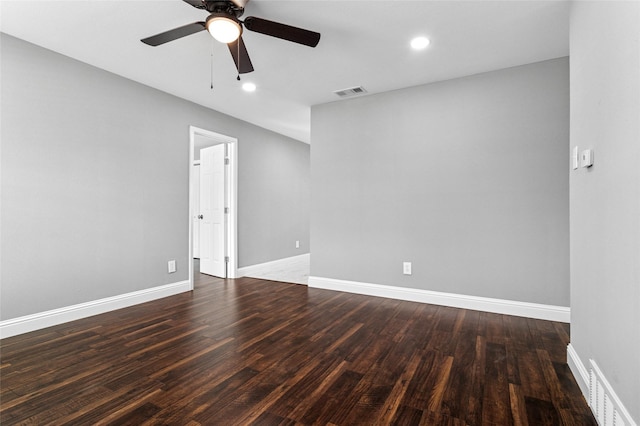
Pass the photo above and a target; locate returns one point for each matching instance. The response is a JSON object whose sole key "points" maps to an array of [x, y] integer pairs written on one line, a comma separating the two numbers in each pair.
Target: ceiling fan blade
{"points": [[196, 3], [285, 32], [174, 34], [240, 56]]}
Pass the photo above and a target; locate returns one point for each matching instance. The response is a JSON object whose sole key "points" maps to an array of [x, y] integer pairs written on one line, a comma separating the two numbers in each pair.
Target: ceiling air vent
{"points": [[352, 91]]}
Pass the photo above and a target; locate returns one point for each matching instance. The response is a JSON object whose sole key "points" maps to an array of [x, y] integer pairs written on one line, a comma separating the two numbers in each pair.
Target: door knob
{"points": [[200, 216]]}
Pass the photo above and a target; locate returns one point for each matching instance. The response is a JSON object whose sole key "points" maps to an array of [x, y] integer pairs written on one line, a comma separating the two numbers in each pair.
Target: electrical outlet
{"points": [[586, 158], [297, 244], [406, 268], [171, 266]]}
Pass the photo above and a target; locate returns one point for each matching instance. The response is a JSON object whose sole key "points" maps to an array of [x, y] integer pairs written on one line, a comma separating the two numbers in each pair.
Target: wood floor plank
{"points": [[331, 401], [518, 406], [251, 351], [531, 376], [541, 412], [475, 401], [458, 391], [495, 401], [407, 416], [313, 390]]}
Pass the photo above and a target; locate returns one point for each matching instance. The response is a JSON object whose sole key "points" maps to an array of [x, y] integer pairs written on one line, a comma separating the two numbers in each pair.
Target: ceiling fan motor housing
{"points": [[227, 8]]}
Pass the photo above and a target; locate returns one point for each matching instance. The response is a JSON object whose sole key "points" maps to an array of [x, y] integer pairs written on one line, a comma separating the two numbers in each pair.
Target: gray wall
{"points": [[95, 183], [605, 199], [465, 178], [278, 187]]}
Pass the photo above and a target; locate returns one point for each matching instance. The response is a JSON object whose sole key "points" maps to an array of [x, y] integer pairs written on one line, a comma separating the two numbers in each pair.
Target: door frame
{"points": [[231, 183], [195, 175]]}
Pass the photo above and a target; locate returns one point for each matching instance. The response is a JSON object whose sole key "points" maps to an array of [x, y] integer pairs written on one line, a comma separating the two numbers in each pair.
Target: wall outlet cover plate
{"points": [[586, 158]]}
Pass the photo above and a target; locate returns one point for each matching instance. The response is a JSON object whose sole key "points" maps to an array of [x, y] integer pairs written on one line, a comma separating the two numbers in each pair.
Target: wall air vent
{"points": [[352, 91], [605, 404]]}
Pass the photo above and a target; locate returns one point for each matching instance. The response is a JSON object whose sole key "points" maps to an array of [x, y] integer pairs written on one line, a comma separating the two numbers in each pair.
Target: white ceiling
{"points": [[364, 42]]}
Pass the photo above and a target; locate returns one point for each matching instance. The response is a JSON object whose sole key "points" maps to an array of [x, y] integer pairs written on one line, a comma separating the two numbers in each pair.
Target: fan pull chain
{"points": [[212, 46], [238, 43]]}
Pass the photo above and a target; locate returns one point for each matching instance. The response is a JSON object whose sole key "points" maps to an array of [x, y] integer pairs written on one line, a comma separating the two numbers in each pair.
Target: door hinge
{"points": [[226, 210], [226, 161]]}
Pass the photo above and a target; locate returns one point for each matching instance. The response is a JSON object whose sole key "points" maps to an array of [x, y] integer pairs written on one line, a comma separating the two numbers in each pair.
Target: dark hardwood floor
{"points": [[248, 351]]}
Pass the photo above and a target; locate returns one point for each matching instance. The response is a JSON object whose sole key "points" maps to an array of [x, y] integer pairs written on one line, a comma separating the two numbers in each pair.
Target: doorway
{"points": [[198, 139]]}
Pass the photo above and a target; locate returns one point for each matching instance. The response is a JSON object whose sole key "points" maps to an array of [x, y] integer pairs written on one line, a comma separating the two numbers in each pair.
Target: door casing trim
{"points": [[231, 181]]}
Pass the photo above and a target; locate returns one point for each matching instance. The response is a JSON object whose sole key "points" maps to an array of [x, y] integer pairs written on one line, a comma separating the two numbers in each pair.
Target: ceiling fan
{"points": [[225, 26]]}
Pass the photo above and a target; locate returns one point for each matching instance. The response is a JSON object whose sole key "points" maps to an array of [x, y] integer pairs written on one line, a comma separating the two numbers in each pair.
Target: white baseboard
{"points": [[579, 370], [499, 306], [605, 404], [267, 267], [25, 324]]}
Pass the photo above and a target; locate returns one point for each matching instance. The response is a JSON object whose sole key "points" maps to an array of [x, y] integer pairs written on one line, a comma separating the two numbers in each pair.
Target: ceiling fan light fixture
{"points": [[224, 28]]}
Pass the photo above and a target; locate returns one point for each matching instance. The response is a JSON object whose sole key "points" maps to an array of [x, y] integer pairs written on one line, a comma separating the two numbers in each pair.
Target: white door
{"points": [[196, 210], [212, 217]]}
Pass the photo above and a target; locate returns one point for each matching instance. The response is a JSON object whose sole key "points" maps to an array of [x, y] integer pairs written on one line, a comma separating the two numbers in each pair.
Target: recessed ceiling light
{"points": [[420, 43], [249, 87]]}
